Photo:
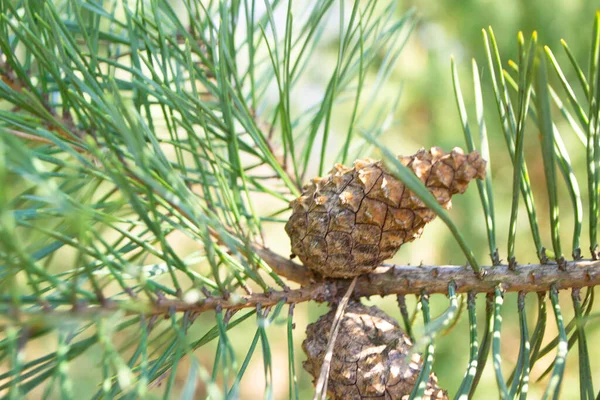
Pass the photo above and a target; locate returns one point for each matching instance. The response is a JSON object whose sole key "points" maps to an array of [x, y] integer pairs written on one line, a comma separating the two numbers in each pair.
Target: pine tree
{"points": [[146, 147]]}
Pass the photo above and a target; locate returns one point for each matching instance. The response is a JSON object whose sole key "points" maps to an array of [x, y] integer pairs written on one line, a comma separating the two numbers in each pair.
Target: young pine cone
{"points": [[347, 223], [371, 357]]}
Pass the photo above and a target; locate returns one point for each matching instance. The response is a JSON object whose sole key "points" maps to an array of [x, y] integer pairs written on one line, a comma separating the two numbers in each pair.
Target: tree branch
{"points": [[285, 267], [385, 280], [403, 279]]}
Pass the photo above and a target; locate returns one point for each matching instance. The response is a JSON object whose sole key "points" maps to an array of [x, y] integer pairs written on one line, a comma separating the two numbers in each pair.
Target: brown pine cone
{"points": [[370, 357], [347, 223]]}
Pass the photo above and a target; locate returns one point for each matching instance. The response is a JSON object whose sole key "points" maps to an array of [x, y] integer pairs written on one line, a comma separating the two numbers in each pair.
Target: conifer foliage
{"points": [[140, 142]]}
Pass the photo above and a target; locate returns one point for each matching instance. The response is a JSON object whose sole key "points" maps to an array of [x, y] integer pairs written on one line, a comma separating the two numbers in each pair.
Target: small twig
{"points": [[8, 76], [40, 139], [285, 267], [321, 386]]}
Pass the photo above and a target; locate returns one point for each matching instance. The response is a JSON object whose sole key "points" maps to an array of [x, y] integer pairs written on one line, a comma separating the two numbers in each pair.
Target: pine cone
{"points": [[347, 223], [370, 357]]}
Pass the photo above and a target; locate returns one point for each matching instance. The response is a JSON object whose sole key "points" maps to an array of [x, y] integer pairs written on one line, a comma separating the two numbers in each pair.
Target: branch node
{"points": [[472, 298], [171, 312], [324, 293], [495, 257], [247, 289], [104, 302], [521, 300], [228, 314], [501, 288], [160, 297], [543, 257], [512, 263], [452, 285], [79, 305], [45, 305], [107, 303], [562, 263], [595, 252], [131, 293]]}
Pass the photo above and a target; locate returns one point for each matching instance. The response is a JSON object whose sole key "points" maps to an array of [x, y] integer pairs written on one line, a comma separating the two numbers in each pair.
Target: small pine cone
{"points": [[371, 357], [347, 223]]}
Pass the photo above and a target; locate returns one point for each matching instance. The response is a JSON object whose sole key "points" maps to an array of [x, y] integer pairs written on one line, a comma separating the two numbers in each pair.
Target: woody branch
{"points": [[385, 280]]}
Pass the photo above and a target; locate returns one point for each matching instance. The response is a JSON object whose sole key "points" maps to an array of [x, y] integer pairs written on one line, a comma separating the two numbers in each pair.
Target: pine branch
{"points": [[384, 281], [125, 131], [406, 279]]}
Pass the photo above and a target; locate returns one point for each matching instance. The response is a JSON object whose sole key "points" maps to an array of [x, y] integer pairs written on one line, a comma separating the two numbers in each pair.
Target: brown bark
{"points": [[385, 280], [401, 279]]}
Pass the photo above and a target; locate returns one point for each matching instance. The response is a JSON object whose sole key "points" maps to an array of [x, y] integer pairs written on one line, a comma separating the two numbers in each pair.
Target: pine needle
{"points": [[321, 386]]}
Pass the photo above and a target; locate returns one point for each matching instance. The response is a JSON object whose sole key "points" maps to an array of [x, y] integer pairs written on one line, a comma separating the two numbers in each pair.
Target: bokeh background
{"points": [[426, 116]]}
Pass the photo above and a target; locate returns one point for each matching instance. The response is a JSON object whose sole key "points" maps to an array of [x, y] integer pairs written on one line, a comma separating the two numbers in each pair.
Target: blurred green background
{"points": [[426, 116]]}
